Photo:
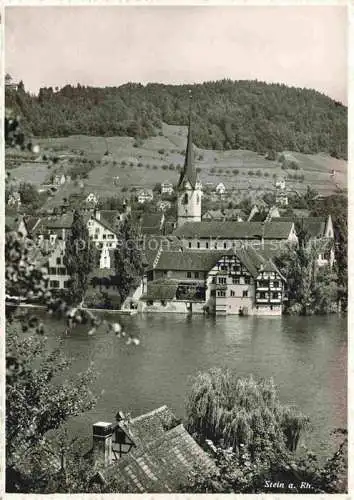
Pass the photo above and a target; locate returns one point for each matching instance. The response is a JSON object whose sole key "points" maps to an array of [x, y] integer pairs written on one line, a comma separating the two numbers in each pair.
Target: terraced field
{"points": [[157, 159]]}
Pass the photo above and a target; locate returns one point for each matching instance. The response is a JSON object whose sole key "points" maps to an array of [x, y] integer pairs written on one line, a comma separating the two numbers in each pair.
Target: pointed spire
{"points": [[189, 172]]}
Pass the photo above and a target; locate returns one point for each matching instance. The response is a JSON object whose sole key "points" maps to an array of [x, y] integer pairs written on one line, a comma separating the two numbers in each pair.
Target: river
{"points": [[306, 356]]}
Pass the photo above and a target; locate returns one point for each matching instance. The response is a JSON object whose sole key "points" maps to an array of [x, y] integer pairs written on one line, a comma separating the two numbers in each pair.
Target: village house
{"points": [[321, 235], [145, 195], [220, 188], [164, 205], [59, 180], [215, 235], [91, 199], [281, 197], [14, 200], [167, 188], [240, 281], [150, 453], [225, 214]]}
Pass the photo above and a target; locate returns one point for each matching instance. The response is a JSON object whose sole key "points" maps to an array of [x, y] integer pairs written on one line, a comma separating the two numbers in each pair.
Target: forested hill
{"points": [[226, 114]]}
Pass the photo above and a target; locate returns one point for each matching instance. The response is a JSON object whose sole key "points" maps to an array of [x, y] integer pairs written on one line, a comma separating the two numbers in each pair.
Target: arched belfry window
{"points": [[185, 199]]}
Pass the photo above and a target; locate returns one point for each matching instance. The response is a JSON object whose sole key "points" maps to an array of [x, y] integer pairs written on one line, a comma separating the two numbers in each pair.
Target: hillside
{"points": [[159, 159], [227, 115]]}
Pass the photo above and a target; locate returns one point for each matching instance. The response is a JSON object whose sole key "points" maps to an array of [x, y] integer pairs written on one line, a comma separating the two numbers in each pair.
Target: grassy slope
{"points": [[316, 168]]}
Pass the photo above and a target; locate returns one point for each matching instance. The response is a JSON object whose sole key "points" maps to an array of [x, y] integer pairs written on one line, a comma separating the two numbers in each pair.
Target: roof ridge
{"points": [[148, 414]]}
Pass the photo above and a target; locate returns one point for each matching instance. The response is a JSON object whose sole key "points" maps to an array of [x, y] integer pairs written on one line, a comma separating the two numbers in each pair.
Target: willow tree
{"points": [[242, 414], [36, 401]]}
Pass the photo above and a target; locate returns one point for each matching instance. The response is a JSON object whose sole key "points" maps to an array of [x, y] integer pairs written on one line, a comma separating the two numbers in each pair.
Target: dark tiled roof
{"points": [[31, 222], [11, 222], [189, 260], [150, 426], [235, 230], [162, 465], [149, 223], [227, 214], [316, 226], [109, 218], [152, 243], [161, 290]]}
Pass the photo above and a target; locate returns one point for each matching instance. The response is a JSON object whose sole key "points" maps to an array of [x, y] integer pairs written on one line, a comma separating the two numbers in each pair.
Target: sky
{"points": [[302, 46]]}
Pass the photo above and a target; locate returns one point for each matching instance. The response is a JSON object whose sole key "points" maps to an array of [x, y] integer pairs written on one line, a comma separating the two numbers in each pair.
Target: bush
{"points": [[161, 151], [164, 167], [198, 169], [250, 172], [236, 171], [271, 155], [258, 173]]}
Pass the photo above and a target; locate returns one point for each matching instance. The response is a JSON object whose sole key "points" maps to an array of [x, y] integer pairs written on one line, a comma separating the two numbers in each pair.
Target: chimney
{"points": [[102, 444]]}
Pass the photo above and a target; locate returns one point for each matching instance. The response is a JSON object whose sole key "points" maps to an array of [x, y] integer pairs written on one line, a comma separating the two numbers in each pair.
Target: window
{"points": [[198, 244], [54, 284], [235, 280], [163, 303], [212, 293], [221, 293], [276, 284], [216, 245], [247, 280], [223, 268], [262, 295], [232, 293], [225, 244], [196, 275], [185, 199], [52, 270], [150, 302], [104, 236], [275, 295], [189, 245], [58, 261], [206, 244], [213, 280], [189, 274], [66, 284], [245, 293], [222, 281]]}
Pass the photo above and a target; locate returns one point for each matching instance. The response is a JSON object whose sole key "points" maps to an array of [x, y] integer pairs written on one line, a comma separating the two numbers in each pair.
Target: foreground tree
{"points": [[39, 401], [283, 473], [242, 414], [254, 440]]}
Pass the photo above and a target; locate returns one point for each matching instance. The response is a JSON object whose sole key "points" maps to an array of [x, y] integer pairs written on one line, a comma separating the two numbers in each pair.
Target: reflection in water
{"points": [[305, 356]]}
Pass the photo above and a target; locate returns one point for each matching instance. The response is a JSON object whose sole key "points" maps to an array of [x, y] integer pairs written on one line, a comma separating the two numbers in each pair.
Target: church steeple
{"points": [[189, 188], [189, 172]]}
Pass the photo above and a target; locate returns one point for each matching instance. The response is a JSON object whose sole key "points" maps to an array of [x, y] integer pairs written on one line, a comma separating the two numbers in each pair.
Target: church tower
{"points": [[189, 188]]}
